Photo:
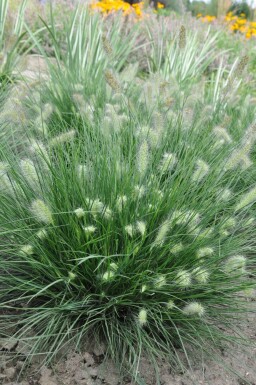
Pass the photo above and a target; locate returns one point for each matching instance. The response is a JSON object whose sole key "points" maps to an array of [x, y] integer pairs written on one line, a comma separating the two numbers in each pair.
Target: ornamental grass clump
{"points": [[107, 234]]}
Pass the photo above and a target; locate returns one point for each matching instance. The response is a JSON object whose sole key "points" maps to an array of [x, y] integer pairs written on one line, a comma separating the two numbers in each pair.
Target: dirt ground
{"points": [[90, 368]]}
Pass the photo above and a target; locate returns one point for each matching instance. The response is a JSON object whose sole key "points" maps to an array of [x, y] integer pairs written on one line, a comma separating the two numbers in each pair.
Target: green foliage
{"points": [[178, 6], [197, 7], [12, 40], [185, 64], [239, 8]]}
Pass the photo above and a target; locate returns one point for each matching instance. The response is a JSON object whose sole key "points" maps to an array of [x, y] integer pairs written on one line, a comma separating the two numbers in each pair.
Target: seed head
{"points": [[183, 278], [79, 101], [170, 304], [240, 156], [229, 224], [222, 135], [120, 202], [237, 263], [224, 194], [159, 281], [142, 317], [224, 233], [106, 45], [47, 111], [201, 275], [168, 162], [247, 199], [108, 276], [158, 123], [202, 169], [249, 222], [139, 191], [71, 276], [27, 250], [241, 66], [38, 149], [112, 81], [246, 162], [143, 158], [204, 252], [130, 230], [82, 170], [177, 248], [162, 233], [41, 211], [194, 309], [8, 185], [41, 234], [154, 138], [182, 37], [66, 137], [141, 227], [113, 266], [80, 213], [107, 213], [89, 229], [29, 171], [96, 206]]}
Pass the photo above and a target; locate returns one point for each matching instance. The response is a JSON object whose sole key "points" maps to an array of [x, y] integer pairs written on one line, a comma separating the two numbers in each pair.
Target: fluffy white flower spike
{"points": [[201, 275], [41, 211], [237, 263], [89, 229], [143, 158], [130, 230], [141, 227], [183, 278], [80, 213], [29, 171], [63, 138], [27, 250], [170, 304], [162, 233], [121, 202], [247, 199], [142, 317], [41, 234], [204, 252], [168, 162], [202, 169], [160, 281], [194, 309]]}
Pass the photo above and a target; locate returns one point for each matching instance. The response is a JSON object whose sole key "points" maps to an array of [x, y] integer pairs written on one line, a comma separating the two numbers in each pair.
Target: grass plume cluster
{"points": [[127, 211]]}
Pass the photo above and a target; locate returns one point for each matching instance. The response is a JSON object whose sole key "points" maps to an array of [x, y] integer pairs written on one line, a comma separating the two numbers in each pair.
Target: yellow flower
{"points": [[110, 6], [208, 19], [241, 21], [160, 5]]}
